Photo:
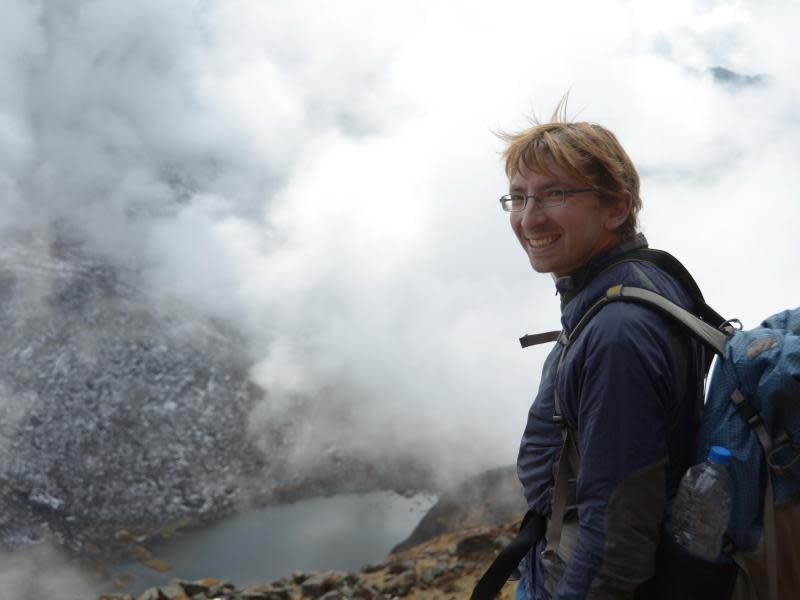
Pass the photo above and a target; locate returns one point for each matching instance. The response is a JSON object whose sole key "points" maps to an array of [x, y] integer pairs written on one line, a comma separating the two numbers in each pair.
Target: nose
{"points": [[532, 216]]}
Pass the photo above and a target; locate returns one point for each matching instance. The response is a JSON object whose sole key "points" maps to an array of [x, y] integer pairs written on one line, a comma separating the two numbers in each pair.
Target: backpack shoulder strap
{"points": [[675, 269], [667, 263], [711, 336]]}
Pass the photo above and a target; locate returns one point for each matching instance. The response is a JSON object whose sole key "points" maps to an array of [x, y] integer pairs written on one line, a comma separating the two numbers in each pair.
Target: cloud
{"points": [[42, 571], [326, 177]]}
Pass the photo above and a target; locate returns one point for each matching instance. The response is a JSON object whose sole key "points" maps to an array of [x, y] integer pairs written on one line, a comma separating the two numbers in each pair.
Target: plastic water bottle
{"points": [[702, 506]]}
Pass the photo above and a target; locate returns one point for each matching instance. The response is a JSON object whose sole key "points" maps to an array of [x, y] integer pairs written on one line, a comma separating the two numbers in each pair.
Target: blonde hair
{"points": [[587, 151]]}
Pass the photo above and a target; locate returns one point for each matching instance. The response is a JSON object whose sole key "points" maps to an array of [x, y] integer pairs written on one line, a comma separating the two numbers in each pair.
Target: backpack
{"points": [[752, 407]]}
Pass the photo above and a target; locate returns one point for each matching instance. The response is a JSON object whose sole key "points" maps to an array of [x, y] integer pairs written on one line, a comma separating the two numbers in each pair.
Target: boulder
{"points": [[489, 499]]}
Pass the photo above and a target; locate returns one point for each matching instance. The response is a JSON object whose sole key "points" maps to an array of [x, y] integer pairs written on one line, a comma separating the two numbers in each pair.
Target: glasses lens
{"points": [[550, 198], [513, 202]]}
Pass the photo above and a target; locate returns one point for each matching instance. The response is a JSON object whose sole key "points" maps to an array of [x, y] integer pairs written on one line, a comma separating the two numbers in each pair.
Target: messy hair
{"points": [[587, 151]]}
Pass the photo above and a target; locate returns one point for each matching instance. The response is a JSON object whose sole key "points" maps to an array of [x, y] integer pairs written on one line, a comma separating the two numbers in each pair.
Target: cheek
{"points": [[516, 225]]}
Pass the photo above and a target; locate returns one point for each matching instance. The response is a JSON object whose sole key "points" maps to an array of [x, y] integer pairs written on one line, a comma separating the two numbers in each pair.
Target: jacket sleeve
{"points": [[622, 382]]}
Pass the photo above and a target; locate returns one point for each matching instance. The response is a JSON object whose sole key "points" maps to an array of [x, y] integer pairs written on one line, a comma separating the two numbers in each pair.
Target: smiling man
{"points": [[623, 402]]}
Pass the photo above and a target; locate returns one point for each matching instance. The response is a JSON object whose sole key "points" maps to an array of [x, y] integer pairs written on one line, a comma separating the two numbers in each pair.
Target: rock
{"points": [[446, 578], [476, 546], [157, 564], [401, 584], [152, 594], [371, 568], [174, 591], [298, 577], [431, 574], [266, 592], [489, 499], [450, 588], [220, 589], [314, 585], [366, 592], [399, 567], [200, 586]]}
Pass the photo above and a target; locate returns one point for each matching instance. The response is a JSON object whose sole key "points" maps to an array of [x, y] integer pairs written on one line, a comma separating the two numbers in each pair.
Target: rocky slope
{"points": [[489, 499], [115, 410], [121, 411]]}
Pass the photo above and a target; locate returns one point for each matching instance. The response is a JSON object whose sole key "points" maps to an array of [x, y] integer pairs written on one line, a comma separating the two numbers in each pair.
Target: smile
{"points": [[542, 241]]}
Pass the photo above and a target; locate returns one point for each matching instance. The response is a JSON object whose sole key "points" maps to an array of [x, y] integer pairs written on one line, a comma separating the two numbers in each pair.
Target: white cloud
{"points": [[42, 571], [326, 175]]}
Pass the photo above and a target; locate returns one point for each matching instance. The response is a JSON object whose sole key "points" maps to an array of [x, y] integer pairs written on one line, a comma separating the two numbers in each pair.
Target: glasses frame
{"points": [[506, 198]]}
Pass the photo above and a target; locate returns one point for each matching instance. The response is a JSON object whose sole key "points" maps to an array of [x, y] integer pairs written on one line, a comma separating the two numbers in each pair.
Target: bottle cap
{"points": [[719, 455]]}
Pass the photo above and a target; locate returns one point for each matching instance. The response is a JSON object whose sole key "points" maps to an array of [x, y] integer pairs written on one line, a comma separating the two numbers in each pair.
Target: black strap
{"points": [[532, 339], [675, 269], [495, 577]]}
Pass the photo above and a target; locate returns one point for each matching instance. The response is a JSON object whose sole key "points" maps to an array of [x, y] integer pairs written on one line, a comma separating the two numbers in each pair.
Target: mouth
{"points": [[539, 243]]}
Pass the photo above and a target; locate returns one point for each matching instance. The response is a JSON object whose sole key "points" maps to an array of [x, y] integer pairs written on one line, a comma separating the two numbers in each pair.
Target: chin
{"points": [[541, 268]]}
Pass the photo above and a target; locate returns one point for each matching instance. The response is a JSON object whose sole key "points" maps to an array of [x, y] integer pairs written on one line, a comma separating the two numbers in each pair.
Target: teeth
{"points": [[543, 241]]}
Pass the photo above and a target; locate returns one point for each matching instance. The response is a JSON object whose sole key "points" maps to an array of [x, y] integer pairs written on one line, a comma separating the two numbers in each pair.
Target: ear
{"points": [[618, 211]]}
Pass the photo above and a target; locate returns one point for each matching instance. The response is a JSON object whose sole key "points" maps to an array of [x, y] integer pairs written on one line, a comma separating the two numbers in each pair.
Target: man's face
{"points": [[561, 239]]}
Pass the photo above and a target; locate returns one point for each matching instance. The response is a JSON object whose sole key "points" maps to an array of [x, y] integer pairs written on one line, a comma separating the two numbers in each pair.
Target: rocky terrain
{"points": [[115, 410], [122, 414]]}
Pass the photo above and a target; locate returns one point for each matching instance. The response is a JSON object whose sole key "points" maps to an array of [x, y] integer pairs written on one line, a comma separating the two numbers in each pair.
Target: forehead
{"points": [[524, 178]]}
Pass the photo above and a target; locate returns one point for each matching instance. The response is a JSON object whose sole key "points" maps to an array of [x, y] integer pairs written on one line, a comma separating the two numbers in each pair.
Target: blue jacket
{"points": [[630, 390]]}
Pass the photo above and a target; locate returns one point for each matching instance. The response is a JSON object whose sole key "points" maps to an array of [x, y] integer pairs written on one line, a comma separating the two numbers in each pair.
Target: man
{"points": [[628, 389]]}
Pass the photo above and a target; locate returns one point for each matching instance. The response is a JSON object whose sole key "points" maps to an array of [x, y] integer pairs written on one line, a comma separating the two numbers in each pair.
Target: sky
{"points": [[325, 176]]}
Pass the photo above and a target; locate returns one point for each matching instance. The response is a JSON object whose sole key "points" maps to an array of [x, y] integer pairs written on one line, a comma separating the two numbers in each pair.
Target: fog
{"points": [[42, 571], [326, 175]]}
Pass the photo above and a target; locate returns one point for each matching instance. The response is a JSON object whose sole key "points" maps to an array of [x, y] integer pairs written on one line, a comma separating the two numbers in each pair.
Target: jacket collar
{"points": [[570, 285]]}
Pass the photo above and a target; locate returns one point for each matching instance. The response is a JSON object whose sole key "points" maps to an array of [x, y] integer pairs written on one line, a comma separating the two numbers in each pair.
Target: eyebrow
{"points": [[550, 183]]}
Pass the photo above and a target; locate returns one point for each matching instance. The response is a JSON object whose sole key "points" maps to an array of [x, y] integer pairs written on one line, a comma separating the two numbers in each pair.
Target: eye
{"points": [[552, 194]]}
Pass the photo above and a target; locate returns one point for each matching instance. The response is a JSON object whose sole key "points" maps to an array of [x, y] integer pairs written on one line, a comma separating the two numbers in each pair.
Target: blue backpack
{"points": [[752, 407]]}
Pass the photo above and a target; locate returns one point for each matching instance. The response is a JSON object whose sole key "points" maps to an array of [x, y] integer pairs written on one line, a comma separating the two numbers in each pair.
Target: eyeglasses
{"points": [[546, 199]]}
